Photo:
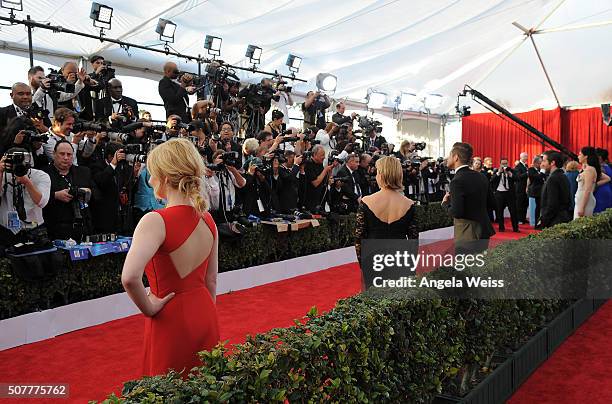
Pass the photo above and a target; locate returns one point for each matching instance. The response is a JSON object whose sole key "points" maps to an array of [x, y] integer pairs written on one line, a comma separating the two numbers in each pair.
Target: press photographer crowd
{"points": [[75, 147]]}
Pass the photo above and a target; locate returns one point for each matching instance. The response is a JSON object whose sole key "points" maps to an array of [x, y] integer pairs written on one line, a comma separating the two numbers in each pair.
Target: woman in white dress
{"points": [[589, 177]]}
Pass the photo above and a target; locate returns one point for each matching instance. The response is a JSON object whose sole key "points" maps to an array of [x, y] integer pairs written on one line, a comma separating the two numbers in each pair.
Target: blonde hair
{"points": [[572, 166], [179, 162], [390, 170], [404, 147]]}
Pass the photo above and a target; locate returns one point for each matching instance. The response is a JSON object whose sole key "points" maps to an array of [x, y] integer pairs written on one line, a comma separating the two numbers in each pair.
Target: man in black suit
{"points": [[467, 202], [339, 117], [373, 140], [555, 198], [22, 100], [116, 109], [504, 188], [174, 94], [520, 183], [536, 183], [349, 193]]}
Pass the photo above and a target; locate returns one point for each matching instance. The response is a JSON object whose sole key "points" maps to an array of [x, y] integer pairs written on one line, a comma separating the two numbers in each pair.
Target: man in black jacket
{"points": [[116, 109], [174, 94], [467, 202], [339, 117], [555, 198], [290, 172], [536, 182], [502, 182], [520, 183], [349, 193], [67, 214]]}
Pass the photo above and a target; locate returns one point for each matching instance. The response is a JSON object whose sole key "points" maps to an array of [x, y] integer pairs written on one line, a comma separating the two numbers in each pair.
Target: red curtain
{"points": [[492, 136]]}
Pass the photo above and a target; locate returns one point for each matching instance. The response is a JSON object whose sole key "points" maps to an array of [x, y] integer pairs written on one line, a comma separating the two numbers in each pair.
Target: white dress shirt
{"points": [[50, 146], [34, 212]]}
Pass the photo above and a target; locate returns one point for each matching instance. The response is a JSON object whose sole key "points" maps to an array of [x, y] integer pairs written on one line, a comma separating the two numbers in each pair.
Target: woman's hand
{"points": [[156, 304], [580, 213]]}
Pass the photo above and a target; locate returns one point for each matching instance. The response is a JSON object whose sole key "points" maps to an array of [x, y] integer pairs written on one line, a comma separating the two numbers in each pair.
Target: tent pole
{"points": [[30, 47], [573, 27], [545, 71]]}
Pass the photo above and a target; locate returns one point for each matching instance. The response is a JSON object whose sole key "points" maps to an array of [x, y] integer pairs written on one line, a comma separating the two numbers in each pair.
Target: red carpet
{"points": [[578, 371], [97, 360]]}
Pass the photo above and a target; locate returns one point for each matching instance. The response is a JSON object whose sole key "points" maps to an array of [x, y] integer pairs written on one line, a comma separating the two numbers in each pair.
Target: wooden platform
{"points": [[284, 226]]}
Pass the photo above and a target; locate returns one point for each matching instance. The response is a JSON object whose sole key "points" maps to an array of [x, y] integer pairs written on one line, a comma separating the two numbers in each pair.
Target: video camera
{"points": [[218, 73], [258, 95], [369, 124], [58, 82]]}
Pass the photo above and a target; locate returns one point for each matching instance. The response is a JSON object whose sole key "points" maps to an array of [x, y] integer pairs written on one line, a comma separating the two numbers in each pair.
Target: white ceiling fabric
{"points": [[421, 46]]}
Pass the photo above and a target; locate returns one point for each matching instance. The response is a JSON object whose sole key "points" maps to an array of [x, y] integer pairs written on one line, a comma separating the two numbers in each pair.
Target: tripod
{"points": [[255, 123]]}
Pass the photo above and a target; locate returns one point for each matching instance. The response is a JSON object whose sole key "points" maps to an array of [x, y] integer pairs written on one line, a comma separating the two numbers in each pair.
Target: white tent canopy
{"points": [[417, 46]]}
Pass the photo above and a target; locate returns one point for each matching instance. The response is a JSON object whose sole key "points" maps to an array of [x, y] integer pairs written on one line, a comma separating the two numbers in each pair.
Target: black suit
{"points": [[520, 183], [340, 119], [469, 195], [505, 199], [175, 99], [536, 183], [104, 109], [105, 207], [6, 139], [289, 189], [555, 199], [350, 193], [377, 142]]}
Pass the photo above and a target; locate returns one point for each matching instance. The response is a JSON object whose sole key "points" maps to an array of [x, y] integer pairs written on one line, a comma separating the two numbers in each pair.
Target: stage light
{"points": [[376, 99], [165, 29], [254, 54], [101, 15], [407, 101], [327, 82], [213, 45], [433, 101], [294, 62], [16, 5]]}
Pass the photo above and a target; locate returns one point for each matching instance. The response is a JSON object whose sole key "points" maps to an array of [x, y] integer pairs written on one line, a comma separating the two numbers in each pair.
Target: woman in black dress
{"points": [[386, 214]]}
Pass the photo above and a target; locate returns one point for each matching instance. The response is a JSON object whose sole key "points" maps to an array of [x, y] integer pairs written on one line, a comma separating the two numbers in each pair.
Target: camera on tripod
{"points": [[258, 95], [58, 82], [17, 162]]}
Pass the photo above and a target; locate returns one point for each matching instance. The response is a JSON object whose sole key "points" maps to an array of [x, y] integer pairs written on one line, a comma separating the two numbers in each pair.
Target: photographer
{"points": [[502, 182], [339, 118], [290, 172], [174, 94], [63, 123], [40, 87], [364, 173], [284, 100], [373, 140], [275, 126], [259, 100], [346, 193], [314, 109], [20, 211], [430, 172], [115, 109], [317, 180], [112, 177], [78, 78], [145, 200], [406, 152], [206, 112], [227, 138], [228, 179], [257, 193], [95, 83], [67, 214], [234, 106], [16, 117]]}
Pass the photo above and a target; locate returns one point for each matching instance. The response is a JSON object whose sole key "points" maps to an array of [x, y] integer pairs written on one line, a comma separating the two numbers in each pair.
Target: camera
{"points": [[118, 137], [33, 136], [420, 146], [258, 95], [369, 124], [136, 158], [333, 157], [106, 74], [58, 82], [18, 163], [306, 156], [87, 126], [77, 192]]}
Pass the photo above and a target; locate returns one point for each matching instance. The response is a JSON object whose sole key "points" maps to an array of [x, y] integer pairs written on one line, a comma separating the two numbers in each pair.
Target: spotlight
{"points": [[15, 5], [294, 63], [433, 101], [213, 45], [166, 29], [406, 101], [254, 54], [101, 15], [376, 99], [327, 82]]}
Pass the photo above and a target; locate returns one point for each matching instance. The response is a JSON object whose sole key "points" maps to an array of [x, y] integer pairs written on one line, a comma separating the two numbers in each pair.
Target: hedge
{"points": [[375, 347], [101, 276]]}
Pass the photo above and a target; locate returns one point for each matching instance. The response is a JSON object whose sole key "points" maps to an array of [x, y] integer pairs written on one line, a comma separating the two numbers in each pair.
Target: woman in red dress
{"points": [[177, 248]]}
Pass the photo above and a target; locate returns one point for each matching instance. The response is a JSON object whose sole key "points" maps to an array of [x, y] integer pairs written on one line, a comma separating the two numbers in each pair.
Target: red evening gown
{"points": [[188, 323]]}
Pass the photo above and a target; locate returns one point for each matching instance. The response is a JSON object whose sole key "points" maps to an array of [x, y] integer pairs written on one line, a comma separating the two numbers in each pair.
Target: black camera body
{"points": [[420, 146], [88, 126], [258, 95], [58, 82], [369, 124], [18, 163]]}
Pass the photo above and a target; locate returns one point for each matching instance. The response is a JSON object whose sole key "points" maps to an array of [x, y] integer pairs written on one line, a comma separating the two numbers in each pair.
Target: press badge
{"points": [[327, 208], [13, 221], [260, 205]]}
